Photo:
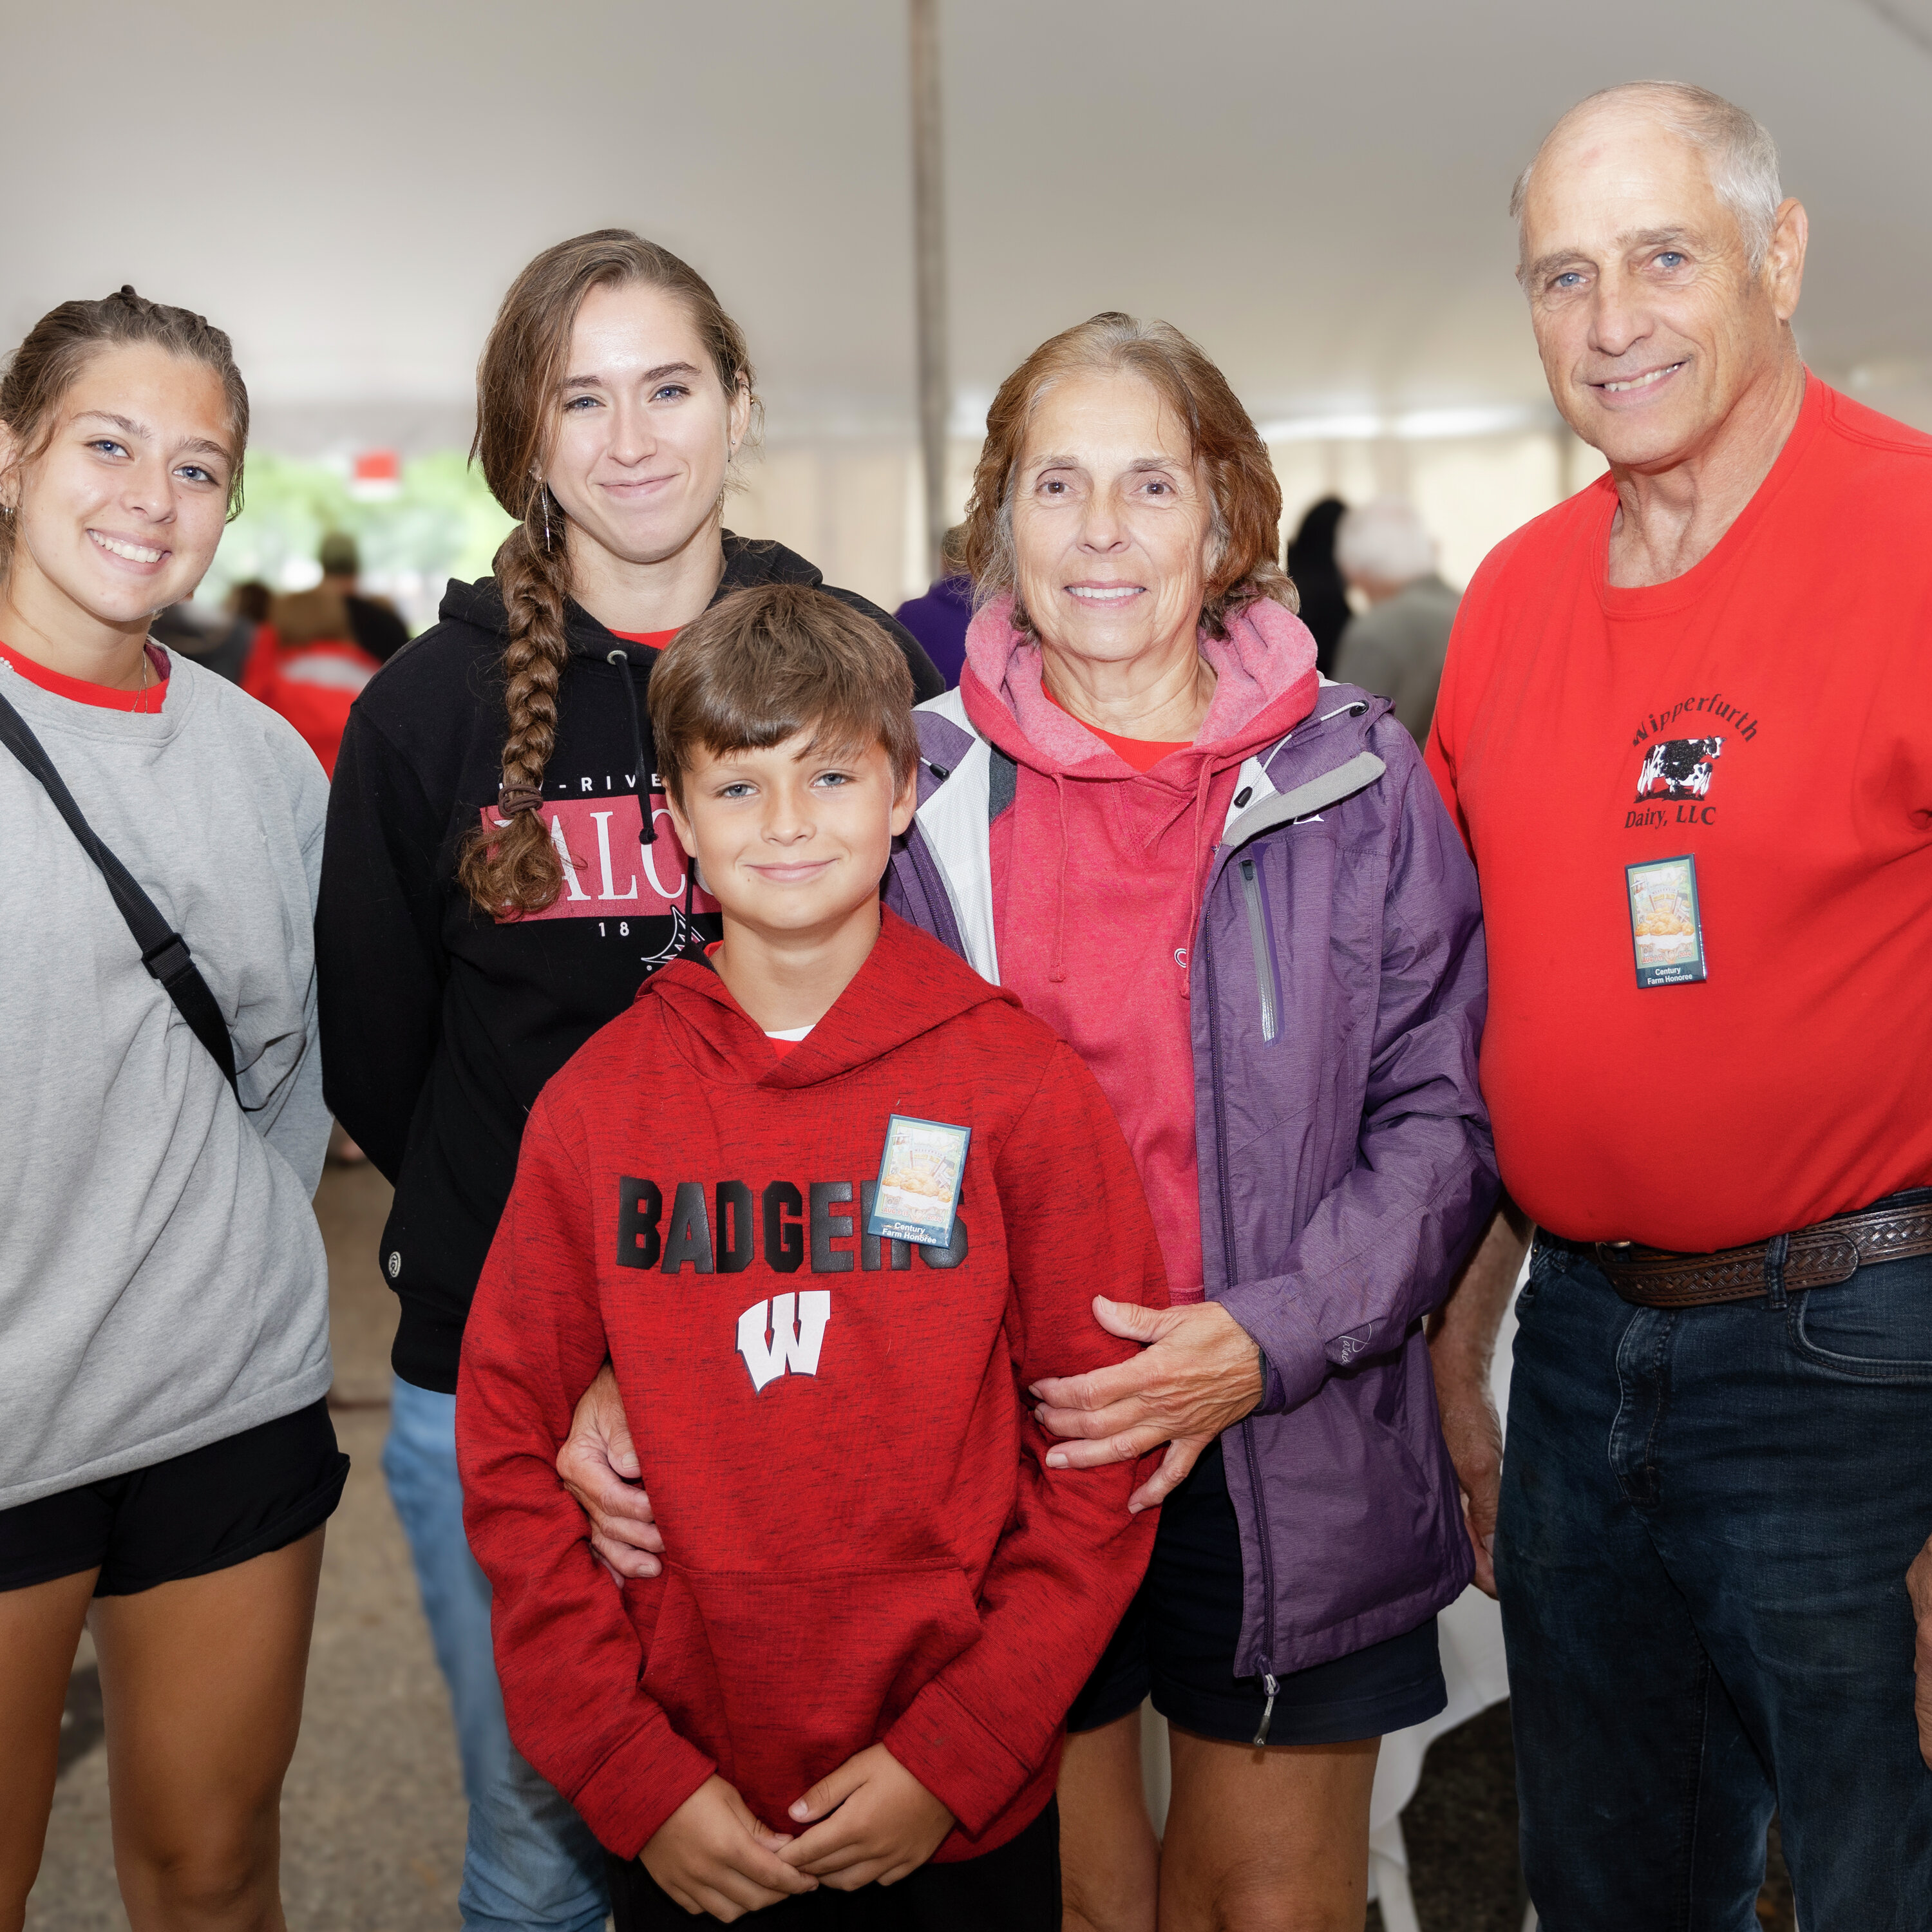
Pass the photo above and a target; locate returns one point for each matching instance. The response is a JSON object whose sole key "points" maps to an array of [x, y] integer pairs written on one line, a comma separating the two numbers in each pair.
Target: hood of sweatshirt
{"points": [[1265, 685], [909, 986], [1098, 872]]}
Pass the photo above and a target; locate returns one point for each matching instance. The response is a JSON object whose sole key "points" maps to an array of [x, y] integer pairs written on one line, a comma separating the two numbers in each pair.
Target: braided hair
{"points": [[511, 869]]}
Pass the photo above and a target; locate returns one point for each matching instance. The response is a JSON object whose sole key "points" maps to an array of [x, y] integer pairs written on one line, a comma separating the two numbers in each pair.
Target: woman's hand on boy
{"points": [[1199, 1372], [882, 1823], [599, 1467], [712, 1855]]}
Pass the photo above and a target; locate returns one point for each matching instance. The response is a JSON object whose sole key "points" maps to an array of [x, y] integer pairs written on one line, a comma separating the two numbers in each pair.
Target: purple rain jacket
{"points": [[1346, 1166]]}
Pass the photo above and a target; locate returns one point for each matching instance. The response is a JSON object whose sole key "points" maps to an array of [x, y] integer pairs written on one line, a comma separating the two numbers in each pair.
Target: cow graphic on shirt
{"points": [[1677, 768]]}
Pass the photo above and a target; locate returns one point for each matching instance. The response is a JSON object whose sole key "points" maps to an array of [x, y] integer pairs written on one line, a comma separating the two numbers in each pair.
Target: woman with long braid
{"points": [[499, 876]]}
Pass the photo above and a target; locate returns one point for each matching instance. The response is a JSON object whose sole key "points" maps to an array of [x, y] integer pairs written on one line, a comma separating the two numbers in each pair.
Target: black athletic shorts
{"points": [[1014, 1889], [208, 1510], [1177, 1643]]}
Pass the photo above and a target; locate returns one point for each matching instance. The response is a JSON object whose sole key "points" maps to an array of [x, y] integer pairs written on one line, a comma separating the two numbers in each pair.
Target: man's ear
{"points": [[1784, 259]]}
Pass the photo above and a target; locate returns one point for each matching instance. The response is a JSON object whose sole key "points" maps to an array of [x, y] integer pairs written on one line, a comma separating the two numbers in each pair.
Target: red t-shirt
{"points": [[1769, 715], [105, 696], [654, 640], [1143, 754]]}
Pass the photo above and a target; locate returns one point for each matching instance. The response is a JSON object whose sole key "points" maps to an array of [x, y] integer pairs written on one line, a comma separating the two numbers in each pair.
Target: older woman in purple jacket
{"points": [[1235, 891], [1132, 653]]}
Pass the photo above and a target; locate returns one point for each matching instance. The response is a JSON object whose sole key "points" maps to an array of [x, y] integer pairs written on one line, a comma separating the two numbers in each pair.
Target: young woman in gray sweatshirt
{"points": [[167, 1459]]}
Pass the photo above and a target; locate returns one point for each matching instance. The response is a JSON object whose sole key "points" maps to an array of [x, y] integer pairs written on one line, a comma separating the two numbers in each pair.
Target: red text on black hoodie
{"points": [[863, 1544]]}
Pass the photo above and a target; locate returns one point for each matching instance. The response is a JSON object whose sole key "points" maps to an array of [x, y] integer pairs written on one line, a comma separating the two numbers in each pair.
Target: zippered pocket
{"points": [[1258, 935]]}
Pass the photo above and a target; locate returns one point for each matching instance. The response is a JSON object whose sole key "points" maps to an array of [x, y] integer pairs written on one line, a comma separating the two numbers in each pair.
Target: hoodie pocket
{"points": [[782, 1677], [1267, 980]]}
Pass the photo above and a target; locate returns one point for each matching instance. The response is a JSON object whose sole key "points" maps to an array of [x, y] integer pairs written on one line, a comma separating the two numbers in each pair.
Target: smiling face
{"points": [[120, 514], [1650, 320], [1112, 524], [792, 839], [645, 429]]}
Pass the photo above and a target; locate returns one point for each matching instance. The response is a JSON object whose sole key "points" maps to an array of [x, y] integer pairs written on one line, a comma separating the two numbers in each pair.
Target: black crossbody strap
{"points": [[163, 951]]}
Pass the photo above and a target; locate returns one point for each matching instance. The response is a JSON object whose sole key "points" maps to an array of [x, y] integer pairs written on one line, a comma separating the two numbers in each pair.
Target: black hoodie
{"points": [[440, 1026]]}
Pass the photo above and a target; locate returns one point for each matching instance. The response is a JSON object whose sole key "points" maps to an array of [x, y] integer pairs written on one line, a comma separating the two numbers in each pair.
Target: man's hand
{"points": [[1462, 1344], [883, 1823], [712, 1855], [598, 1466], [1199, 1373], [1919, 1586]]}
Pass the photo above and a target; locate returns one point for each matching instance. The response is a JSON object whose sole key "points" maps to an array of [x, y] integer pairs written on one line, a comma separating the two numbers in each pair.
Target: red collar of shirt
{"points": [[149, 699], [1143, 754]]}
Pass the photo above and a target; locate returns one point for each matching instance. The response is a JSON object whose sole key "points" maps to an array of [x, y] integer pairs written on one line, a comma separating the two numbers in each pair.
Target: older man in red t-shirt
{"points": [[1686, 728]]}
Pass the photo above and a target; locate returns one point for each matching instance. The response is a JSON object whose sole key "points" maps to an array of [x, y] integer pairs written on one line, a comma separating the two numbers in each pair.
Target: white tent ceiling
{"points": [[1316, 192]]}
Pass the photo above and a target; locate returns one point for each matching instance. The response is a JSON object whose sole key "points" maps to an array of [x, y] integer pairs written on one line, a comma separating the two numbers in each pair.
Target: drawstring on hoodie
{"points": [[1058, 974], [1184, 955], [647, 831]]}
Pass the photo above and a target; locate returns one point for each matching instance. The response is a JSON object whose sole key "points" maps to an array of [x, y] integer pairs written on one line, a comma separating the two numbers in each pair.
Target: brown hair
{"points": [[1228, 450], [46, 365], [311, 617], [514, 869], [765, 663]]}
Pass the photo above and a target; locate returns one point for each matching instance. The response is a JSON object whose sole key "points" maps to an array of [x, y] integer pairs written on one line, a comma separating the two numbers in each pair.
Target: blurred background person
{"points": [[939, 618], [1324, 597], [373, 621], [1395, 648], [217, 640], [248, 601], [306, 664]]}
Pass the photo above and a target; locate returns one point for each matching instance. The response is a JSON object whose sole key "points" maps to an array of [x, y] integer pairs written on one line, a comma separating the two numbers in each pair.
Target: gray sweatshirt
{"points": [[163, 1283]]}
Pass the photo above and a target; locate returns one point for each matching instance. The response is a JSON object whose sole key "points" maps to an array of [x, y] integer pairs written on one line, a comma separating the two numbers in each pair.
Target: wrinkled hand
{"points": [[599, 1467], [883, 1823], [1474, 1435], [712, 1855], [1200, 1373], [1918, 1584]]}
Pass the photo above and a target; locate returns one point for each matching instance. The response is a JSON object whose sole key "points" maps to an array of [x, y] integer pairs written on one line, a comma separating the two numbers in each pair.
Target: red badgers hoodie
{"points": [[863, 1544]]}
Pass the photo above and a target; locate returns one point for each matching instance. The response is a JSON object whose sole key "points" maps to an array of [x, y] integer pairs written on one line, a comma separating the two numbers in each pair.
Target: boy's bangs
{"points": [[840, 737], [767, 664]]}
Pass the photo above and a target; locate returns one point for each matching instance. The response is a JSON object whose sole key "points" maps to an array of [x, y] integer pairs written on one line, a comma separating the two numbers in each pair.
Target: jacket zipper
{"points": [[1269, 1684], [1271, 994]]}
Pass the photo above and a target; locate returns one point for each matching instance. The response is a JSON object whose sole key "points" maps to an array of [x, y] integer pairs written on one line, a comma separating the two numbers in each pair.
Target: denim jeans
{"points": [[531, 1862], [1707, 1517]]}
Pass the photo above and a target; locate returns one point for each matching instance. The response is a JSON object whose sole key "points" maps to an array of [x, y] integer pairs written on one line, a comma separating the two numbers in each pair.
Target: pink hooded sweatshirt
{"points": [[1098, 872]]}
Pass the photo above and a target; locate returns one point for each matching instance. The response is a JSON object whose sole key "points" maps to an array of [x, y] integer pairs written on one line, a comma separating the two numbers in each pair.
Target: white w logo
{"points": [[796, 1349]]}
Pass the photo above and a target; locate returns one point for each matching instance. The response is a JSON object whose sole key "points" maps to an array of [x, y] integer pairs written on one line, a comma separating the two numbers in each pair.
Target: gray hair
{"points": [[1738, 153], [1385, 540]]}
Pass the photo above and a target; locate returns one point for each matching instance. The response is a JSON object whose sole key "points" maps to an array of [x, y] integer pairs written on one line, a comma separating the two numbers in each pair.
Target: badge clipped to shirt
{"points": [[1666, 926], [920, 1174]]}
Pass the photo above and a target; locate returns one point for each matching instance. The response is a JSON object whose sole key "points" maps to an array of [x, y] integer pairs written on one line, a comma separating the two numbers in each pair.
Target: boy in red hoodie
{"points": [[878, 1603]]}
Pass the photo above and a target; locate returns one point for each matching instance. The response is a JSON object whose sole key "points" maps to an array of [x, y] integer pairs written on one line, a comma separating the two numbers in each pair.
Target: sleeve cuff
{"points": [[1294, 1363], [629, 1796], [963, 1764]]}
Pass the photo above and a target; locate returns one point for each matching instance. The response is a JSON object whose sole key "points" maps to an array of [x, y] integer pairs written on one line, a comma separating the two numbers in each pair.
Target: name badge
{"points": [[1666, 926], [920, 1175]]}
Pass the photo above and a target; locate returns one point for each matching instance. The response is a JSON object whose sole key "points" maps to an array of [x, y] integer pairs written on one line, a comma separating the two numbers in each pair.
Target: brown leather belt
{"points": [[1832, 1251]]}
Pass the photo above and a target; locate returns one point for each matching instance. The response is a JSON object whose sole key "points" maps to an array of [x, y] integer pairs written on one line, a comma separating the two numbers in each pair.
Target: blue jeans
{"points": [[531, 1862], [1707, 1517]]}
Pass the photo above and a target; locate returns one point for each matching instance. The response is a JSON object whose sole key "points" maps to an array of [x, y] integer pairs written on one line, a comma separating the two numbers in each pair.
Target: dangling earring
{"points": [[546, 507]]}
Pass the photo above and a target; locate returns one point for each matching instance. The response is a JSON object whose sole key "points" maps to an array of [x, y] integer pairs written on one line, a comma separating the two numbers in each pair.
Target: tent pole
{"points": [[928, 209]]}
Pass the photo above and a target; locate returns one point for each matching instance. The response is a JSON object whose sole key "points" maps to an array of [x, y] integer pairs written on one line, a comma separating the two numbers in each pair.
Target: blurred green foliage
{"points": [[443, 523]]}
